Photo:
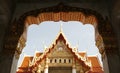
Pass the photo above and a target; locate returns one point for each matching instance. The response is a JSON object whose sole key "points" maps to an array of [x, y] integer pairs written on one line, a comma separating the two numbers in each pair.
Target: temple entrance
{"points": [[60, 70], [64, 13]]}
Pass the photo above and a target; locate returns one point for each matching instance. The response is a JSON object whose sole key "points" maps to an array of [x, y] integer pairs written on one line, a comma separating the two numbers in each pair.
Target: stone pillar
{"points": [[5, 63], [46, 70], [105, 63], [46, 66], [111, 63], [14, 65], [73, 67]]}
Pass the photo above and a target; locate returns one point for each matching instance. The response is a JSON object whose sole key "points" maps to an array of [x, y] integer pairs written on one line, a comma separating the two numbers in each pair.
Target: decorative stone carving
{"points": [[61, 12], [20, 46], [100, 45]]}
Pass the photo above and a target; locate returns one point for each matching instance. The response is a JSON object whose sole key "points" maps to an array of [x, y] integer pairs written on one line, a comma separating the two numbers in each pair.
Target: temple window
{"points": [[60, 61], [69, 61], [64, 60], [55, 60], [50, 60]]}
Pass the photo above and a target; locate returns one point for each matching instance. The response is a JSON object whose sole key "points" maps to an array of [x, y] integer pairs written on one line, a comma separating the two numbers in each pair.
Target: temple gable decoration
{"points": [[60, 57]]}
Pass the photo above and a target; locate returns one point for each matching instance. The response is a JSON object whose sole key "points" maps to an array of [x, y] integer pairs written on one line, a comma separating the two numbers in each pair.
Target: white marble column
{"points": [[46, 70], [73, 70], [46, 66], [73, 67]]}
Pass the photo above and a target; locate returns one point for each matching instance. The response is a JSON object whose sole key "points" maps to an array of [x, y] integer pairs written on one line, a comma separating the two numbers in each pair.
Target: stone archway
{"points": [[64, 13], [16, 37]]}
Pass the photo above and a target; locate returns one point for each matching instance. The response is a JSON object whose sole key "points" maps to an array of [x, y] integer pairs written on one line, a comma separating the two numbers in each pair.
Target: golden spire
{"points": [[44, 46], [61, 30]]}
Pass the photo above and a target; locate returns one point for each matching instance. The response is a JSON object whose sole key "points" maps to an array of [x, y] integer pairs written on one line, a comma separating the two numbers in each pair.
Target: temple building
{"points": [[60, 57]]}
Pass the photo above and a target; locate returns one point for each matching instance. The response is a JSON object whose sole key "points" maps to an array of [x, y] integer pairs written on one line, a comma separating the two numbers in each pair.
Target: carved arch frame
{"points": [[64, 13], [16, 37]]}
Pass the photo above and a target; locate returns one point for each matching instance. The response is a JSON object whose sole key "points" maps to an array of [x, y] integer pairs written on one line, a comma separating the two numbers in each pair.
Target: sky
{"points": [[45, 33]]}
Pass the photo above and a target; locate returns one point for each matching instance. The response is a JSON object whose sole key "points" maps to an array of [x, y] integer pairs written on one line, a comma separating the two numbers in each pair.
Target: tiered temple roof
{"points": [[90, 62]]}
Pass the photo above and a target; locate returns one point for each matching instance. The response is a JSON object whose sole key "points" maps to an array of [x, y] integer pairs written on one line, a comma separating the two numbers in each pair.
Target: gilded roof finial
{"points": [[44, 46], [76, 47], [61, 27]]}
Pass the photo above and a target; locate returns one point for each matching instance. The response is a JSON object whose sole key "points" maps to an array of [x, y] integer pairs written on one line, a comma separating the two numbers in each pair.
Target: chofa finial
{"points": [[61, 27], [44, 46]]}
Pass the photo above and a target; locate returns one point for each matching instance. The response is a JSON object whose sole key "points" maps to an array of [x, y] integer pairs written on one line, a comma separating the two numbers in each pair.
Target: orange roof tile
{"points": [[82, 54], [38, 54], [96, 67], [26, 60], [25, 64]]}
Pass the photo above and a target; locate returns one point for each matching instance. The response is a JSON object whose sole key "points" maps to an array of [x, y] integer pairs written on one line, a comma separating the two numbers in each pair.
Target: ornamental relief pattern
{"points": [[60, 50], [20, 46], [100, 44], [65, 16], [56, 13], [61, 12]]}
